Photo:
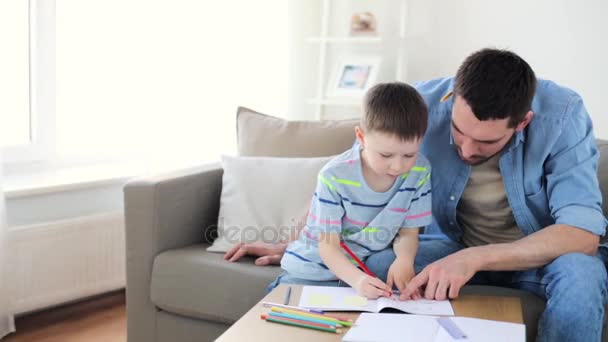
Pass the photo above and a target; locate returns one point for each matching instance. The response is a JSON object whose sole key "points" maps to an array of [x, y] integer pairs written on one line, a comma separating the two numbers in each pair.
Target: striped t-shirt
{"points": [[366, 220]]}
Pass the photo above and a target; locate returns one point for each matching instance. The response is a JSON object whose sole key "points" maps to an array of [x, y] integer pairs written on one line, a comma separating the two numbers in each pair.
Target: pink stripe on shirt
{"points": [[324, 221], [418, 216], [308, 234], [399, 210], [347, 219]]}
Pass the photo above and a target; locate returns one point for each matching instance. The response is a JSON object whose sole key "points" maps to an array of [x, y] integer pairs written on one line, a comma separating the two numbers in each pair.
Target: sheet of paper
{"points": [[320, 299], [392, 328], [481, 330], [420, 328], [355, 300], [346, 299], [419, 306], [335, 299]]}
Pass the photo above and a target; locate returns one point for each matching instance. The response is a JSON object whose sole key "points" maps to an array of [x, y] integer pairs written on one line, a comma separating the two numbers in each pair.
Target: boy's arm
{"points": [[338, 263], [405, 245]]}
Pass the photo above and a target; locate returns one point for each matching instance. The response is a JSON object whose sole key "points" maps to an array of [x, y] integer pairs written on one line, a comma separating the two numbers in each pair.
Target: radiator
{"points": [[62, 261]]}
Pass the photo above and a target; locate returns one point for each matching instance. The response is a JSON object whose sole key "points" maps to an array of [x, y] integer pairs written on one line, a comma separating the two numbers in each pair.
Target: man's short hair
{"points": [[496, 84], [395, 108]]}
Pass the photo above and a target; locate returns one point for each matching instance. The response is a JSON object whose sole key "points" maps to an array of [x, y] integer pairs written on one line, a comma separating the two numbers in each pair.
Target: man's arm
{"points": [[445, 277], [535, 250], [574, 198], [268, 254]]}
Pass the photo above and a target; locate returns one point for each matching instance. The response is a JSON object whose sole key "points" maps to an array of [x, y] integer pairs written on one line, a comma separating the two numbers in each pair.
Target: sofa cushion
{"points": [[192, 282], [264, 198], [264, 135], [602, 172]]}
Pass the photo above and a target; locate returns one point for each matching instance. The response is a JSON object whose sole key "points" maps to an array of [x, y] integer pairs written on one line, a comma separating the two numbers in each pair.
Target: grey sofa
{"points": [[176, 291]]}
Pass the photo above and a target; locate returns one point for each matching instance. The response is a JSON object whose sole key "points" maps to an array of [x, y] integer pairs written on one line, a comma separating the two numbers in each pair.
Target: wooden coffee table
{"points": [[251, 327]]}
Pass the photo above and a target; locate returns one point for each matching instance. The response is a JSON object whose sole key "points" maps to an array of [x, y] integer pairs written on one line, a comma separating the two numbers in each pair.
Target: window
{"points": [[151, 80], [14, 73], [28, 110]]}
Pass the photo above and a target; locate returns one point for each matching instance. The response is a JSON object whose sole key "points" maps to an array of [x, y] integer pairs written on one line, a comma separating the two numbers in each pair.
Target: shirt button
{"points": [[451, 223], [452, 198]]}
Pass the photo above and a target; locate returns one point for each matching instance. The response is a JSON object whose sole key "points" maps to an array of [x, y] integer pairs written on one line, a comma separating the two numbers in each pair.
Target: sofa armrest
{"points": [[163, 212]]}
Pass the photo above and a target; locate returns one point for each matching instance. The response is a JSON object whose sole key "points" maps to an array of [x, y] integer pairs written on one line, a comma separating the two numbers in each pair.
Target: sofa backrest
{"points": [[260, 135], [263, 135]]}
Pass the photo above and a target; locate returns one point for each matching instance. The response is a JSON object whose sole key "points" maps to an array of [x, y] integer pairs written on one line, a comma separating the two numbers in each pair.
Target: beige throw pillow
{"points": [[263, 198], [264, 135]]}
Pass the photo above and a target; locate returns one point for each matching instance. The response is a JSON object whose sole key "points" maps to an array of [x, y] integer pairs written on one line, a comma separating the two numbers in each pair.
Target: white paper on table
{"points": [[419, 328], [483, 330], [339, 298], [392, 328]]}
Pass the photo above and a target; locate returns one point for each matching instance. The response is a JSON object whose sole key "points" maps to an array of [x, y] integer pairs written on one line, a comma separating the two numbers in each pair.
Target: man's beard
{"points": [[475, 159]]}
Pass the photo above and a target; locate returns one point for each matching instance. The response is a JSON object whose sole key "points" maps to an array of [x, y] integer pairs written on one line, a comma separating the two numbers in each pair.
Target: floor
{"points": [[102, 318]]}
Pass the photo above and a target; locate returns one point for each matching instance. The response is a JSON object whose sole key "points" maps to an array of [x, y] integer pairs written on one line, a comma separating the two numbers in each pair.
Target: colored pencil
{"points": [[304, 318], [270, 304], [322, 317], [359, 262], [299, 324]]}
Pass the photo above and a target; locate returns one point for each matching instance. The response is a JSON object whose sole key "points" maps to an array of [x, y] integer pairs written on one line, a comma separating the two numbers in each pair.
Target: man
{"points": [[515, 192]]}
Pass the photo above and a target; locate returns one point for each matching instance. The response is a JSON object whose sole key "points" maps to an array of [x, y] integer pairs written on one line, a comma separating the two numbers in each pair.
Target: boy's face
{"points": [[387, 155]]}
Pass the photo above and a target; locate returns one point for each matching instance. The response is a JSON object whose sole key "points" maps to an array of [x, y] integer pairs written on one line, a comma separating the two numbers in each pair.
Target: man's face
{"points": [[477, 141]]}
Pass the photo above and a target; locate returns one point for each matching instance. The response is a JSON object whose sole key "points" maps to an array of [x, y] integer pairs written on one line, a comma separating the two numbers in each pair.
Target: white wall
{"points": [[305, 18], [562, 40]]}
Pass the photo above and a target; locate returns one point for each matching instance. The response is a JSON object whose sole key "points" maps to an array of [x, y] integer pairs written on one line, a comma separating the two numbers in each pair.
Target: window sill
{"points": [[66, 179], [48, 180]]}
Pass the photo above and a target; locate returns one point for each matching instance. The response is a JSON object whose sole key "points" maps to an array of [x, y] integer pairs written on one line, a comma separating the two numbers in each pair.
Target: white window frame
{"points": [[41, 147]]}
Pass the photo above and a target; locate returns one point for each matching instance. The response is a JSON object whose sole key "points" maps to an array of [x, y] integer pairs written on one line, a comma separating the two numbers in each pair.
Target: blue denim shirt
{"points": [[549, 169]]}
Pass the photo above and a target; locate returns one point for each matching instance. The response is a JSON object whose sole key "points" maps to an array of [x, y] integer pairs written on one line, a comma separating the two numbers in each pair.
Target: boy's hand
{"points": [[371, 287], [399, 275]]}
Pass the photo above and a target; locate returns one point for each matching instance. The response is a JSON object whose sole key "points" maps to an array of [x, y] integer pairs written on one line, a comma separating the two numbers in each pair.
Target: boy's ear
{"points": [[360, 135]]}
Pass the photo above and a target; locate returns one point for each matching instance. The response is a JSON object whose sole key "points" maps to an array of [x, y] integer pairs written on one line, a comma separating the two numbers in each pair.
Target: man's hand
{"points": [[444, 278], [371, 287], [399, 274], [268, 254]]}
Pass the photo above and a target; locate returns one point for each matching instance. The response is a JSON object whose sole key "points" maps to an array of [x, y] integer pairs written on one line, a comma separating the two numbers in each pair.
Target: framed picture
{"points": [[353, 76], [363, 24]]}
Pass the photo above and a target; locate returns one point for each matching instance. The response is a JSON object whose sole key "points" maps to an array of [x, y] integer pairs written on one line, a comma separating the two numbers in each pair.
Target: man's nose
{"points": [[467, 148]]}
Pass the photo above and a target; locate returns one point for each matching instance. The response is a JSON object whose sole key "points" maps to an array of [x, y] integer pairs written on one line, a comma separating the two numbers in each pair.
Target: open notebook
{"points": [[346, 299], [416, 328]]}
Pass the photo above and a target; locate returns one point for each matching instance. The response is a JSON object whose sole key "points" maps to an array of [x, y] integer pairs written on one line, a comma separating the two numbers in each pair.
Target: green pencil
{"points": [[303, 325]]}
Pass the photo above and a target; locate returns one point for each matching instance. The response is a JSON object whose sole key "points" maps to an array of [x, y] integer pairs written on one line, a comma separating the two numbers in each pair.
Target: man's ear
{"points": [[525, 121], [360, 135]]}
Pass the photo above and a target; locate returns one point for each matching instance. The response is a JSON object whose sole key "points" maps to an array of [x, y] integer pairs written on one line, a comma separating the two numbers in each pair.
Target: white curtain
{"points": [[7, 324]]}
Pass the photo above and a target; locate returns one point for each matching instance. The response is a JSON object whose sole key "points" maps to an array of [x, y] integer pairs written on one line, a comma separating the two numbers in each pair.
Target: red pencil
{"points": [[354, 256]]}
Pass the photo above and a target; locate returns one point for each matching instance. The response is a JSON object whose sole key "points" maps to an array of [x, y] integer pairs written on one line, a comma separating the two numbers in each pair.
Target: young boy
{"points": [[374, 195]]}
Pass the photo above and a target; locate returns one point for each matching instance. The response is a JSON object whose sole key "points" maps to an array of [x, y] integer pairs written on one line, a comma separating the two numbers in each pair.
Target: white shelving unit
{"points": [[327, 40]]}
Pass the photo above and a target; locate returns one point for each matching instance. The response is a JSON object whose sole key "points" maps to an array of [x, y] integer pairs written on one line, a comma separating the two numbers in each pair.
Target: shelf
{"points": [[346, 40], [338, 101]]}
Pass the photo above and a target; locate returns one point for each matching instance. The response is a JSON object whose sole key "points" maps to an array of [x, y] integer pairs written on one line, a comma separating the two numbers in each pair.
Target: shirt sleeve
{"points": [[326, 209], [571, 174], [419, 213]]}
